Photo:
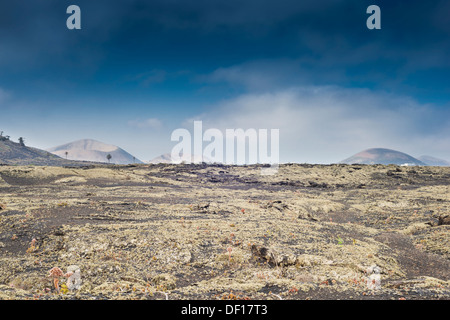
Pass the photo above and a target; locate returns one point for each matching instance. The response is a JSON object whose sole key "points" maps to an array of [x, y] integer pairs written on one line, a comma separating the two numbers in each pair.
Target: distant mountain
{"points": [[164, 158], [92, 150], [432, 161], [12, 153], [167, 158], [383, 156]]}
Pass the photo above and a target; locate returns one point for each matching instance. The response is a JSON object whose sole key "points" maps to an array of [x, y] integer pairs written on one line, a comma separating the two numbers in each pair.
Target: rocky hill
{"points": [[432, 161], [383, 156], [92, 150], [12, 153]]}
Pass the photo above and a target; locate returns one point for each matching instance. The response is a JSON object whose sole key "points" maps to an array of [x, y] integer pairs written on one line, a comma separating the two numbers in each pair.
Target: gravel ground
{"points": [[225, 232]]}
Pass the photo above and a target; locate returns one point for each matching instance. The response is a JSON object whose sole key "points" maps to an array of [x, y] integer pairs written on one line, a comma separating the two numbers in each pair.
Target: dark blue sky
{"points": [[139, 69]]}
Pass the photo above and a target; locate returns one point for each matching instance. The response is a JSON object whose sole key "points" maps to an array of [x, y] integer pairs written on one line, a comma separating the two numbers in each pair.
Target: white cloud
{"points": [[327, 124]]}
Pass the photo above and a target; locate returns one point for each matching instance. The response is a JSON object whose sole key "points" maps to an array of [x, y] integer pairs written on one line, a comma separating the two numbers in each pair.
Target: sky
{"points": [[137, 70]]}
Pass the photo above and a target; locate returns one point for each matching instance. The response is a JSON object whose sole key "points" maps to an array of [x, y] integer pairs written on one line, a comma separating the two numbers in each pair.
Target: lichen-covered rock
{"points": [[374, 278], [416, 227], [74, 277], [444, 220], [165, 281]]}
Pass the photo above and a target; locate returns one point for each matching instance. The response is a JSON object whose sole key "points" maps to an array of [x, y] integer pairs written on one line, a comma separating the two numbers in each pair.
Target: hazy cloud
{"points": [[150, 77], [150, 123], [4, 95], [327, 124]]}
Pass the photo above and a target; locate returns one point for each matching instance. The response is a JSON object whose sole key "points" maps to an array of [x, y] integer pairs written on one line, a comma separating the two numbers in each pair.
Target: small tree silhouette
{"points": [[22, 142], [109, 158], [67, 153]]}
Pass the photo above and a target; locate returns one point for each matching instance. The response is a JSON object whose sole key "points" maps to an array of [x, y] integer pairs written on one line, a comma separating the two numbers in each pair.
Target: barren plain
{"points": [[225, 232]]}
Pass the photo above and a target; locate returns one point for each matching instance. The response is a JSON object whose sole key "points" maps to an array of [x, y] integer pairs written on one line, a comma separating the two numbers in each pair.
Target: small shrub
{"points": [[32, 247]]}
